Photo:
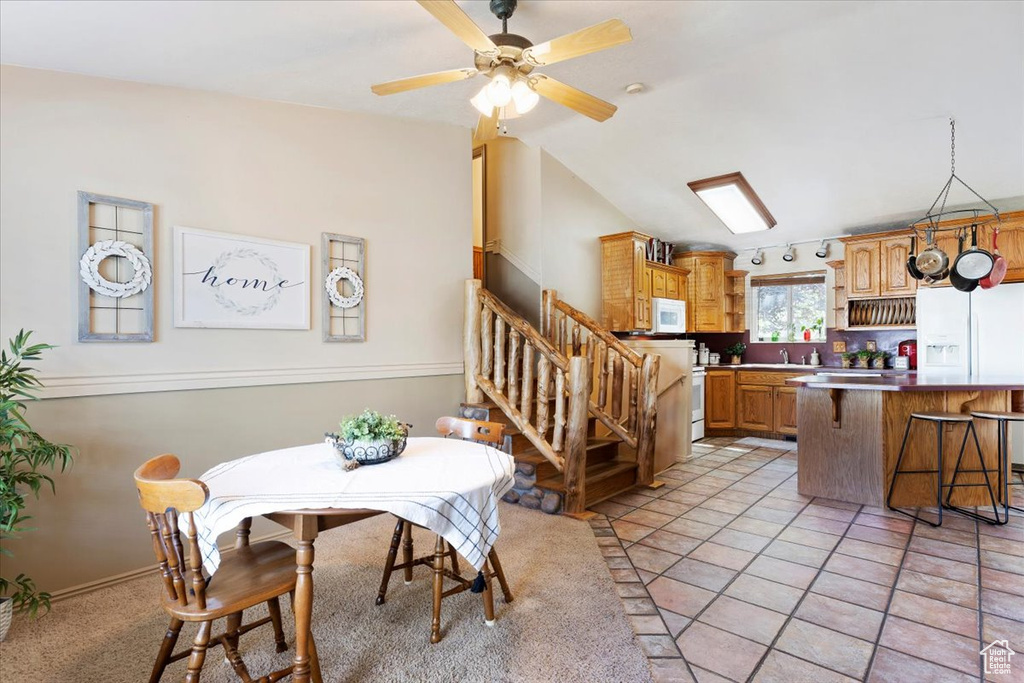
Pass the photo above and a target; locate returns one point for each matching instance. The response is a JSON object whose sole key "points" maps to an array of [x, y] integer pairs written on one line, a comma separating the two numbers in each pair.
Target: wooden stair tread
{"points": [[595, 473], [593, 443]]}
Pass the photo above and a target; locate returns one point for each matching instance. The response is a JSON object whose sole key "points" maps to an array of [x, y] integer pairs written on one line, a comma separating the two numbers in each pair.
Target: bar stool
{"points": [[940, 419], [1003, 455]]}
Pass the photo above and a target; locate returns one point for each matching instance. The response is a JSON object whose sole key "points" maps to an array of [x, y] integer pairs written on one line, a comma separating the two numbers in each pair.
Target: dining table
{"points": [[448, 486]]}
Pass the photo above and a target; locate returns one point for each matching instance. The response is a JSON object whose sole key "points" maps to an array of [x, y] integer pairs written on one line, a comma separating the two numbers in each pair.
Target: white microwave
{"points": [[668, 316]]}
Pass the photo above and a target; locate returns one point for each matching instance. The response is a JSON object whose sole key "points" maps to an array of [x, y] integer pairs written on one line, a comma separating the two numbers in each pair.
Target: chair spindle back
{"points": [[472, 430]]}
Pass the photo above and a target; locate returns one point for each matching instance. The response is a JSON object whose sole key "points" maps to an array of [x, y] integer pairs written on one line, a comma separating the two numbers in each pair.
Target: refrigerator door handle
{"points": [[974, 368]]}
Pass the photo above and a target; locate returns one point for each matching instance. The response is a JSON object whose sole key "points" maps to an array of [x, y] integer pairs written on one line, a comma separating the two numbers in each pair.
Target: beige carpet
{"points": [[566, 622]]}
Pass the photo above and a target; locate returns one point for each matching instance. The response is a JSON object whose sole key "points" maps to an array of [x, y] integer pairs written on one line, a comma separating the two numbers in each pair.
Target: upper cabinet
{"points": [[706, 300], [876, 267], [629, 281]]}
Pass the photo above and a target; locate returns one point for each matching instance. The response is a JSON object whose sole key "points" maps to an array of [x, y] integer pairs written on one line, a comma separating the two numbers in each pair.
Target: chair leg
{"points": [[234, 621], [389, 563], [166, 650], [407, 550], [493, 557], [488, 596], [274, 607], [454, 557], [435, 622], [198, 656]]}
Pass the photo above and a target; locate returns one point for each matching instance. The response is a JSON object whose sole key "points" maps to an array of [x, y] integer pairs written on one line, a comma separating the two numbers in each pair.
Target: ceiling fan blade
{"points": [[486, 128], [568, 96], [401, 85], [459, 23], [591, 39]]}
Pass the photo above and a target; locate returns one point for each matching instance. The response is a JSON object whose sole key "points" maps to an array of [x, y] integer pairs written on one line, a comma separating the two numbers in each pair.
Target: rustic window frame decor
{"points": [[335, 271], [91, 252]]}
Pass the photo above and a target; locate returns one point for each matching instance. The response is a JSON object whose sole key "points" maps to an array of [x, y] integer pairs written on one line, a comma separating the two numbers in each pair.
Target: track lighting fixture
{"points": [[790, 253], [758, 257], [822, 250]]}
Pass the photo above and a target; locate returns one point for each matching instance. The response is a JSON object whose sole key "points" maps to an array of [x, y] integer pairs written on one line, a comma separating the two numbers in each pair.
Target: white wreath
{"points": [[331, 285], [90, 263], [230, 304]]}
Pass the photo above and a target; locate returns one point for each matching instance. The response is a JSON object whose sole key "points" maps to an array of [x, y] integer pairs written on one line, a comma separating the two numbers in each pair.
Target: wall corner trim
{"points": [[523, 267], [101, 385]]}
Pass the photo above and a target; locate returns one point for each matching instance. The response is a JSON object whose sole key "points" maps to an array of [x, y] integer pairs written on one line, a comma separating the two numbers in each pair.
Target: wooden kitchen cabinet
{"points": [[705, 289], [862, 272], [720, 399], [785, 410], [629, 281], [754, 409], [894, 279]]}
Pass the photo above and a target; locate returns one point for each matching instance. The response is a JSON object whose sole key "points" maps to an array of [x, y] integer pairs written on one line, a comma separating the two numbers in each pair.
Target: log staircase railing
{"points": [[623, 376], [544, 383]]}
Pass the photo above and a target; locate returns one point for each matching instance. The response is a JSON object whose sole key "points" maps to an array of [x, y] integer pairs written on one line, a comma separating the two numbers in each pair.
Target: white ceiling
{"points": [[836, 112]]}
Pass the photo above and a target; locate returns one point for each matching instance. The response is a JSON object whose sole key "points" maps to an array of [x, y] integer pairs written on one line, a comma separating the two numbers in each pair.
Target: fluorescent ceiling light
{"points": [[735, 203]]}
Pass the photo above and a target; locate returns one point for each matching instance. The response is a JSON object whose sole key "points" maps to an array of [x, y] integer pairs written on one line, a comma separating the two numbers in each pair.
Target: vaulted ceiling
{"points": [[836, 112]]}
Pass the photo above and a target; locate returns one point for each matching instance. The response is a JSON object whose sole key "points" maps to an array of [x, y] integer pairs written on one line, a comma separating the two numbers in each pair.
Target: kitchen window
{"points": [[788, 308]]}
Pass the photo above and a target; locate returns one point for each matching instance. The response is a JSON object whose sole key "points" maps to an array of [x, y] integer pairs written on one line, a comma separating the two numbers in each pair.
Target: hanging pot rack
{"points": [[928, 225]]}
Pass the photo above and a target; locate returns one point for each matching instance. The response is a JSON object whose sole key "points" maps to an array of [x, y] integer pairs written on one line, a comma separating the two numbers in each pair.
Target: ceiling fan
{"points": [[509, 61]]}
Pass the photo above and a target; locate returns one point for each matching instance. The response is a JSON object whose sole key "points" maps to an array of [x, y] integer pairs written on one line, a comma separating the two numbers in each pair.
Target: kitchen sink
{"points": [[849, 374], [788, 366]]}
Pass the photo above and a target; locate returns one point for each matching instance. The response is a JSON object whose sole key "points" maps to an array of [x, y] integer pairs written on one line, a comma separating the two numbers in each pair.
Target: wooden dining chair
{"points": [[491, 433], [247, 576]]}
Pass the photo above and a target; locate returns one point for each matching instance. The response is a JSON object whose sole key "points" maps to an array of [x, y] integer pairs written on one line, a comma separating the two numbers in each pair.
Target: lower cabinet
{"points": [[720, 399], [785, 410], [754, 407]]}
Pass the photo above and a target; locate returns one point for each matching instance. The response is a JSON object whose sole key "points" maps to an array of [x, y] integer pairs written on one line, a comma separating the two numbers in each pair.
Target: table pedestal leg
{"points": [[303, 608]]}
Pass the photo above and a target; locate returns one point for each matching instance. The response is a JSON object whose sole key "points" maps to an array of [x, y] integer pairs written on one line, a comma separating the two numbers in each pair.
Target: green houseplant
{"points": [[26, 457], [370, 437], [848, 358], [864, 358], [879, 359], [736, 351]]}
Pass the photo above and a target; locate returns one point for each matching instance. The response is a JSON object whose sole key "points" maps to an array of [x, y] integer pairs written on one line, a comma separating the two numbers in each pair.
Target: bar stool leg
{"points": [[956, 469], [896, 470], [938, 475], [972, 431]]}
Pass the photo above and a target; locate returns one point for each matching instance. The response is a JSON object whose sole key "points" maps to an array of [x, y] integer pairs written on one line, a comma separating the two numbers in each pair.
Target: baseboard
{"points": [[106, 582]]}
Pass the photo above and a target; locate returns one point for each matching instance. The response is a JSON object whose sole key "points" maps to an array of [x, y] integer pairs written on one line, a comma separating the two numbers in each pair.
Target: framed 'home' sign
{"points": [[227, 280]]}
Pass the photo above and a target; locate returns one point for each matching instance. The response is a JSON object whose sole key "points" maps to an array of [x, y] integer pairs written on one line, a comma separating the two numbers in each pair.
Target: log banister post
{"points": [[575, 452], [547, 312], [648, 391], [471, 341]]}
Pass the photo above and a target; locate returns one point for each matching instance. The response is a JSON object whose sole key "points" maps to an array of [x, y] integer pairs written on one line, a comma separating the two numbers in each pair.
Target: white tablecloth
{"points": [[449, 486]]}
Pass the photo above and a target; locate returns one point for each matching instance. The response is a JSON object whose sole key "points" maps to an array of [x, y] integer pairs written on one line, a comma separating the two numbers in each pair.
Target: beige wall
{"points": [[573, 216], [237, 165]]}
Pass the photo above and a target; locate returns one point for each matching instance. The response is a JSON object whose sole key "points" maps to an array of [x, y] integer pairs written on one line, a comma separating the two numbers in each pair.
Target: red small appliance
{"points": [[909, 348]]}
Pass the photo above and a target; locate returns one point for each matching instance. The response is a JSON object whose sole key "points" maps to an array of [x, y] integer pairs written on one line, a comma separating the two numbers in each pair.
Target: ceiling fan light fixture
{"points": [[524, 96], [499, 90], [482, 103], [734, 201]]}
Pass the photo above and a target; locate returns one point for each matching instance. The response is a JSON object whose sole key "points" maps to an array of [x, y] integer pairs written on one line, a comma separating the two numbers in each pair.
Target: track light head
{"points": [[822, 250], [790, 253], [758, 257]]}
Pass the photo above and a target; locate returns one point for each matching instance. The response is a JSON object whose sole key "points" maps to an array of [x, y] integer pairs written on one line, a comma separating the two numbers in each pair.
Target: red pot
{"points": [[909, 348]]}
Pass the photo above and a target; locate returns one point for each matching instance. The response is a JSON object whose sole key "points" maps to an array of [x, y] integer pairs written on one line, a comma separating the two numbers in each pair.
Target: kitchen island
{"points": [[851, 428]]}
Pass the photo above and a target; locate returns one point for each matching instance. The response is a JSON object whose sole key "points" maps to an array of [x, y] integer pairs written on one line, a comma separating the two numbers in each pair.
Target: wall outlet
{"points": [[838, 347]]}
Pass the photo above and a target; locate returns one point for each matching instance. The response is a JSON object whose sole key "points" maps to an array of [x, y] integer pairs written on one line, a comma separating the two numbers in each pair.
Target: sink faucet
{"points": [[785, 356]]}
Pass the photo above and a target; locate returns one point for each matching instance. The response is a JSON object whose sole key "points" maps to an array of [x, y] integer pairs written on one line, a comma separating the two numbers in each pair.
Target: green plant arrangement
{"points": [[25, 459], [369, 438], [736, 351], [848, 358], [878, 360], [371, 426], [864, 358]]}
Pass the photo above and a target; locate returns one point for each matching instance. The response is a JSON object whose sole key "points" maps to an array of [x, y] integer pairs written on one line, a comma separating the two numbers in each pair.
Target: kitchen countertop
{"points": [[796, 367], [914, 382]]}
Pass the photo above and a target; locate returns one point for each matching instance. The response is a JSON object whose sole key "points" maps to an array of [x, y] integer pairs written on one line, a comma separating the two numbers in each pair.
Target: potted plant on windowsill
{"points": [[864, 358], [879, 359], [848, 358], [25, 458], [736, 351]]}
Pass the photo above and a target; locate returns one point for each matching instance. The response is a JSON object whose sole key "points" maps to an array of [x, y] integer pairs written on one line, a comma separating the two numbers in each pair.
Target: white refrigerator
{"points": [[976, 333]]}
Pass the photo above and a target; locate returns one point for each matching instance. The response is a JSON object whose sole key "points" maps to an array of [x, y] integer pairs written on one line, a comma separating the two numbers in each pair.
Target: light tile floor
{"points": [[729, 574]]}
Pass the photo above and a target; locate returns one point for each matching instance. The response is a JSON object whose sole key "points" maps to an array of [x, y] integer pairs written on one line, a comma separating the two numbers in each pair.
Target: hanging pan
{"points": [[912, 260], [955, 278], [932, 261], [998, 266], [973, 264]]}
